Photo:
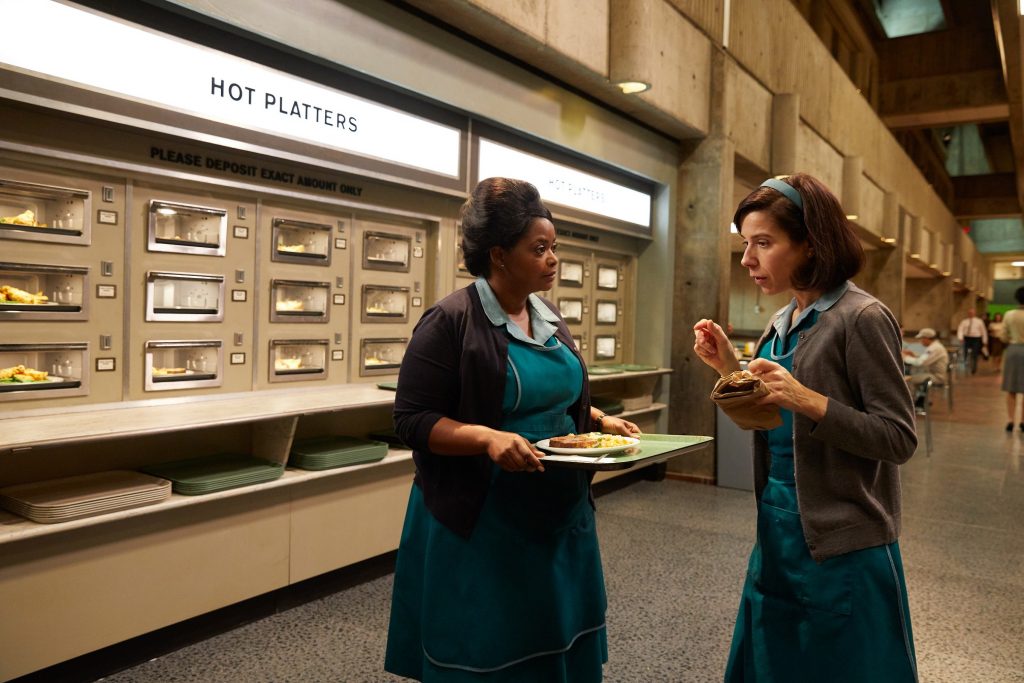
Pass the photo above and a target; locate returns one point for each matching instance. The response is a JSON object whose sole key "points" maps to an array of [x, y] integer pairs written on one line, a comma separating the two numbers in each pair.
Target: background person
{"points": [[973, 337], [931, 364], [1013, 358], [498, 576], [824, 598]]}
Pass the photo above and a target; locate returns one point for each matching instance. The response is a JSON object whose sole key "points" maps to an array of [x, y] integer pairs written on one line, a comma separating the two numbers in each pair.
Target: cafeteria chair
{"points": [[947, 388], [922, 407]]}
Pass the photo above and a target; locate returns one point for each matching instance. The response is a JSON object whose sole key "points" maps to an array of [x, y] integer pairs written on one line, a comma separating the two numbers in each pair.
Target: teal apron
{"points": [[523, 599], [845, 620]]}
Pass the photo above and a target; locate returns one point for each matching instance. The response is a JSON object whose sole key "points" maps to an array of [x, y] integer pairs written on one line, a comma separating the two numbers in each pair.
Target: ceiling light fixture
{"points": [[855, 217], [632, 87], [889, 240]]}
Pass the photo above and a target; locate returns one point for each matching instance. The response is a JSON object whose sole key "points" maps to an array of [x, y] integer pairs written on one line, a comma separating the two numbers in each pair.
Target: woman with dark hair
{"points": [[499, 573], [1012, 334], [825, 598]]}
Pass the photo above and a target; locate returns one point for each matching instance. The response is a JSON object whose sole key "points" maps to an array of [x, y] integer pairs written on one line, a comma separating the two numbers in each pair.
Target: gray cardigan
{"points": [[846, 465]]}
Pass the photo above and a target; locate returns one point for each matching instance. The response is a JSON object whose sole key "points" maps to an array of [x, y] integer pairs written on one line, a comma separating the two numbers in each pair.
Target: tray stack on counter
{"points": [[61, 500], [328, 452], [608, 405], [212, 473]]}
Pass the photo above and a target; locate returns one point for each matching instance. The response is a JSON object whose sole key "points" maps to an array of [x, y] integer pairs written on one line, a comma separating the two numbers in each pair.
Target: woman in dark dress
{"points": [[499, 573]]}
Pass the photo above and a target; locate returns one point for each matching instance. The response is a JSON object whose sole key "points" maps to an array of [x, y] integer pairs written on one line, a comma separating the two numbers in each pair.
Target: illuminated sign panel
{"points": [[105, 55], [560, 184]]}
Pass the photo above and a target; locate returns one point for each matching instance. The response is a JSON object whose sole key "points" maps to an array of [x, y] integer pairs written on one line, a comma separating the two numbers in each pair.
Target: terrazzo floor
{"points": [[675, 555]]}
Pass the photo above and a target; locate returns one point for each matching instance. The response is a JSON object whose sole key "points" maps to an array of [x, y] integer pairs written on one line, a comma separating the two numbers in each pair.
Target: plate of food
{"points": [[593, 444]]}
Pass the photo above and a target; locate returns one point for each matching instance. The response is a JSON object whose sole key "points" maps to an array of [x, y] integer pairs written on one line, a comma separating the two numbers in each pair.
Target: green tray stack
{"points": [[607, 404], [604, 370], [212, 473], [637, 367], [328, 452]]}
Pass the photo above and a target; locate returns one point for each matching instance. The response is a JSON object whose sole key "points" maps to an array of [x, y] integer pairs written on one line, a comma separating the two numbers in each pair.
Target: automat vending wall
{"points": [[61, 260], [191, 300], [304, 295]]}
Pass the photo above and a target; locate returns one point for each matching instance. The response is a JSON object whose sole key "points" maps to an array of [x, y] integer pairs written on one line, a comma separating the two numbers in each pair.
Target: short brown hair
{"points": [[822, 223]]}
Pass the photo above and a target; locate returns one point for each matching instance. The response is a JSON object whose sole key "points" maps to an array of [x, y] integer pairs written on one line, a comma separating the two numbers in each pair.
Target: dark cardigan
{"points": [[455, 367]]}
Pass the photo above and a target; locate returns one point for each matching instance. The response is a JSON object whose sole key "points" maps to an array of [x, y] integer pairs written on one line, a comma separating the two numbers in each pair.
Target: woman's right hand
{"points": [[713, 347], [513, 453]]}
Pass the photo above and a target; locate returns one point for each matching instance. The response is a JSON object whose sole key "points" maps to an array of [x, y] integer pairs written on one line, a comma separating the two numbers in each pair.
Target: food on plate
{"points": [[26, 217], [20, 373], [589, 440], [289, 305], [294, 248], [287, 363], [161, 372], [20, 296]]}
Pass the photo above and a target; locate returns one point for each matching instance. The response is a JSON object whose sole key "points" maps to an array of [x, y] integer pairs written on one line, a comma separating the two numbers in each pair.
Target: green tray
{"points": [[604, 370], [653, 448], [212, 473], [328, 452], [637, 367], [388, 386]]}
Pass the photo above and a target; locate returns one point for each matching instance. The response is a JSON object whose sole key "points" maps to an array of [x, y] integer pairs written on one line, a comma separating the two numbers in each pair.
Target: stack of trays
{"points": [[637, 367], [388, 386], [327, 452], [607, 404], [86, 495], [212, 473]]}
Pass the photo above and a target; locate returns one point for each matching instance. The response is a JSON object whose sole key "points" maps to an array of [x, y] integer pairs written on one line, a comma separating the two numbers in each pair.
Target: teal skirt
{"points": [[845, 620], [521, 600]]}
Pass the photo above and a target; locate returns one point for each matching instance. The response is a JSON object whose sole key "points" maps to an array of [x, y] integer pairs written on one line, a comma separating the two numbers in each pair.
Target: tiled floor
{"points": [[674, 557]]}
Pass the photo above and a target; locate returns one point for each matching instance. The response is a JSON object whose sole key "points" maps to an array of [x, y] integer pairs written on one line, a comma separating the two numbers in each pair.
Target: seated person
{"points": [[928, 365]]}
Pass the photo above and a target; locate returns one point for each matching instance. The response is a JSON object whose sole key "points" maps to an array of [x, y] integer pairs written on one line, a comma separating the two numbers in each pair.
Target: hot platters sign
{"points": [[136, 63]]}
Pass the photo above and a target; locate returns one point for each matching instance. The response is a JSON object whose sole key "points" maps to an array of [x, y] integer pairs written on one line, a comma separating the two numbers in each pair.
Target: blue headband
{"points": [[788, 190]]}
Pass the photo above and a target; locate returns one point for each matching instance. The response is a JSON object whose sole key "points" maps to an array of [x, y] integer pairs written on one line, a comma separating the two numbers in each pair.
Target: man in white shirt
{"points": [[973, 337], [928, 365]]}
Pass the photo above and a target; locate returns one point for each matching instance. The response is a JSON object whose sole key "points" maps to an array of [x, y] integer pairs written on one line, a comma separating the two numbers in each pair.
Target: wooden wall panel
{"points": [[708, 15], [579, 30], [750, 116], [817, 157]]}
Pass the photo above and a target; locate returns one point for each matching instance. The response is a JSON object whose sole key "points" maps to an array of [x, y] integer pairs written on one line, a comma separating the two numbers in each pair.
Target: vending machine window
{"points": [[184, 297], [571, 310], [570, 273], [385, 251], [187, 229], [385, 304], [605, 347], [44, 213], [381, 356], [297, 301], [607, 277], [301, 242], [44, 370], [183, 364], [607, 313], [31, 291], [294, 360]]}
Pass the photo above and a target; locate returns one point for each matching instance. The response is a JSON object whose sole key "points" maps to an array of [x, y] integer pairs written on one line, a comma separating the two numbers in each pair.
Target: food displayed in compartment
{"points": [[380, 356], [20, 296], [299, 301], [182, 364], [35, 208], [186, 228], [188, 297], [571, 310], [301, 242], [293, 359], [607, 312], [42, 367], [607, 277], [384, 303], [570, 273], [385, 251], [26, 218]]}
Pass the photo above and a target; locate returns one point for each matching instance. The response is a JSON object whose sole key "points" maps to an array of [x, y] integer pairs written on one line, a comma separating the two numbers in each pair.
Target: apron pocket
{"points": [[786, 570]]}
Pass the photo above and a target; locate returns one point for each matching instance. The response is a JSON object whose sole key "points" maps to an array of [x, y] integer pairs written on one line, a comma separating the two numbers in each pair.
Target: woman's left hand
{"points": [[786, 392], [616, 425]]}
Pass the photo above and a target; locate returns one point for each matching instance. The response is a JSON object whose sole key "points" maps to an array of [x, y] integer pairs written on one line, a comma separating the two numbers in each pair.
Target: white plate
{"points": [[543, 445]]}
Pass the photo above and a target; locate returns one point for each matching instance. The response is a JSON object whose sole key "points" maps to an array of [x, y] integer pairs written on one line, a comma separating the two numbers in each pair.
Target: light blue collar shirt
{"points": [[543, 320], [821, 304]]}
